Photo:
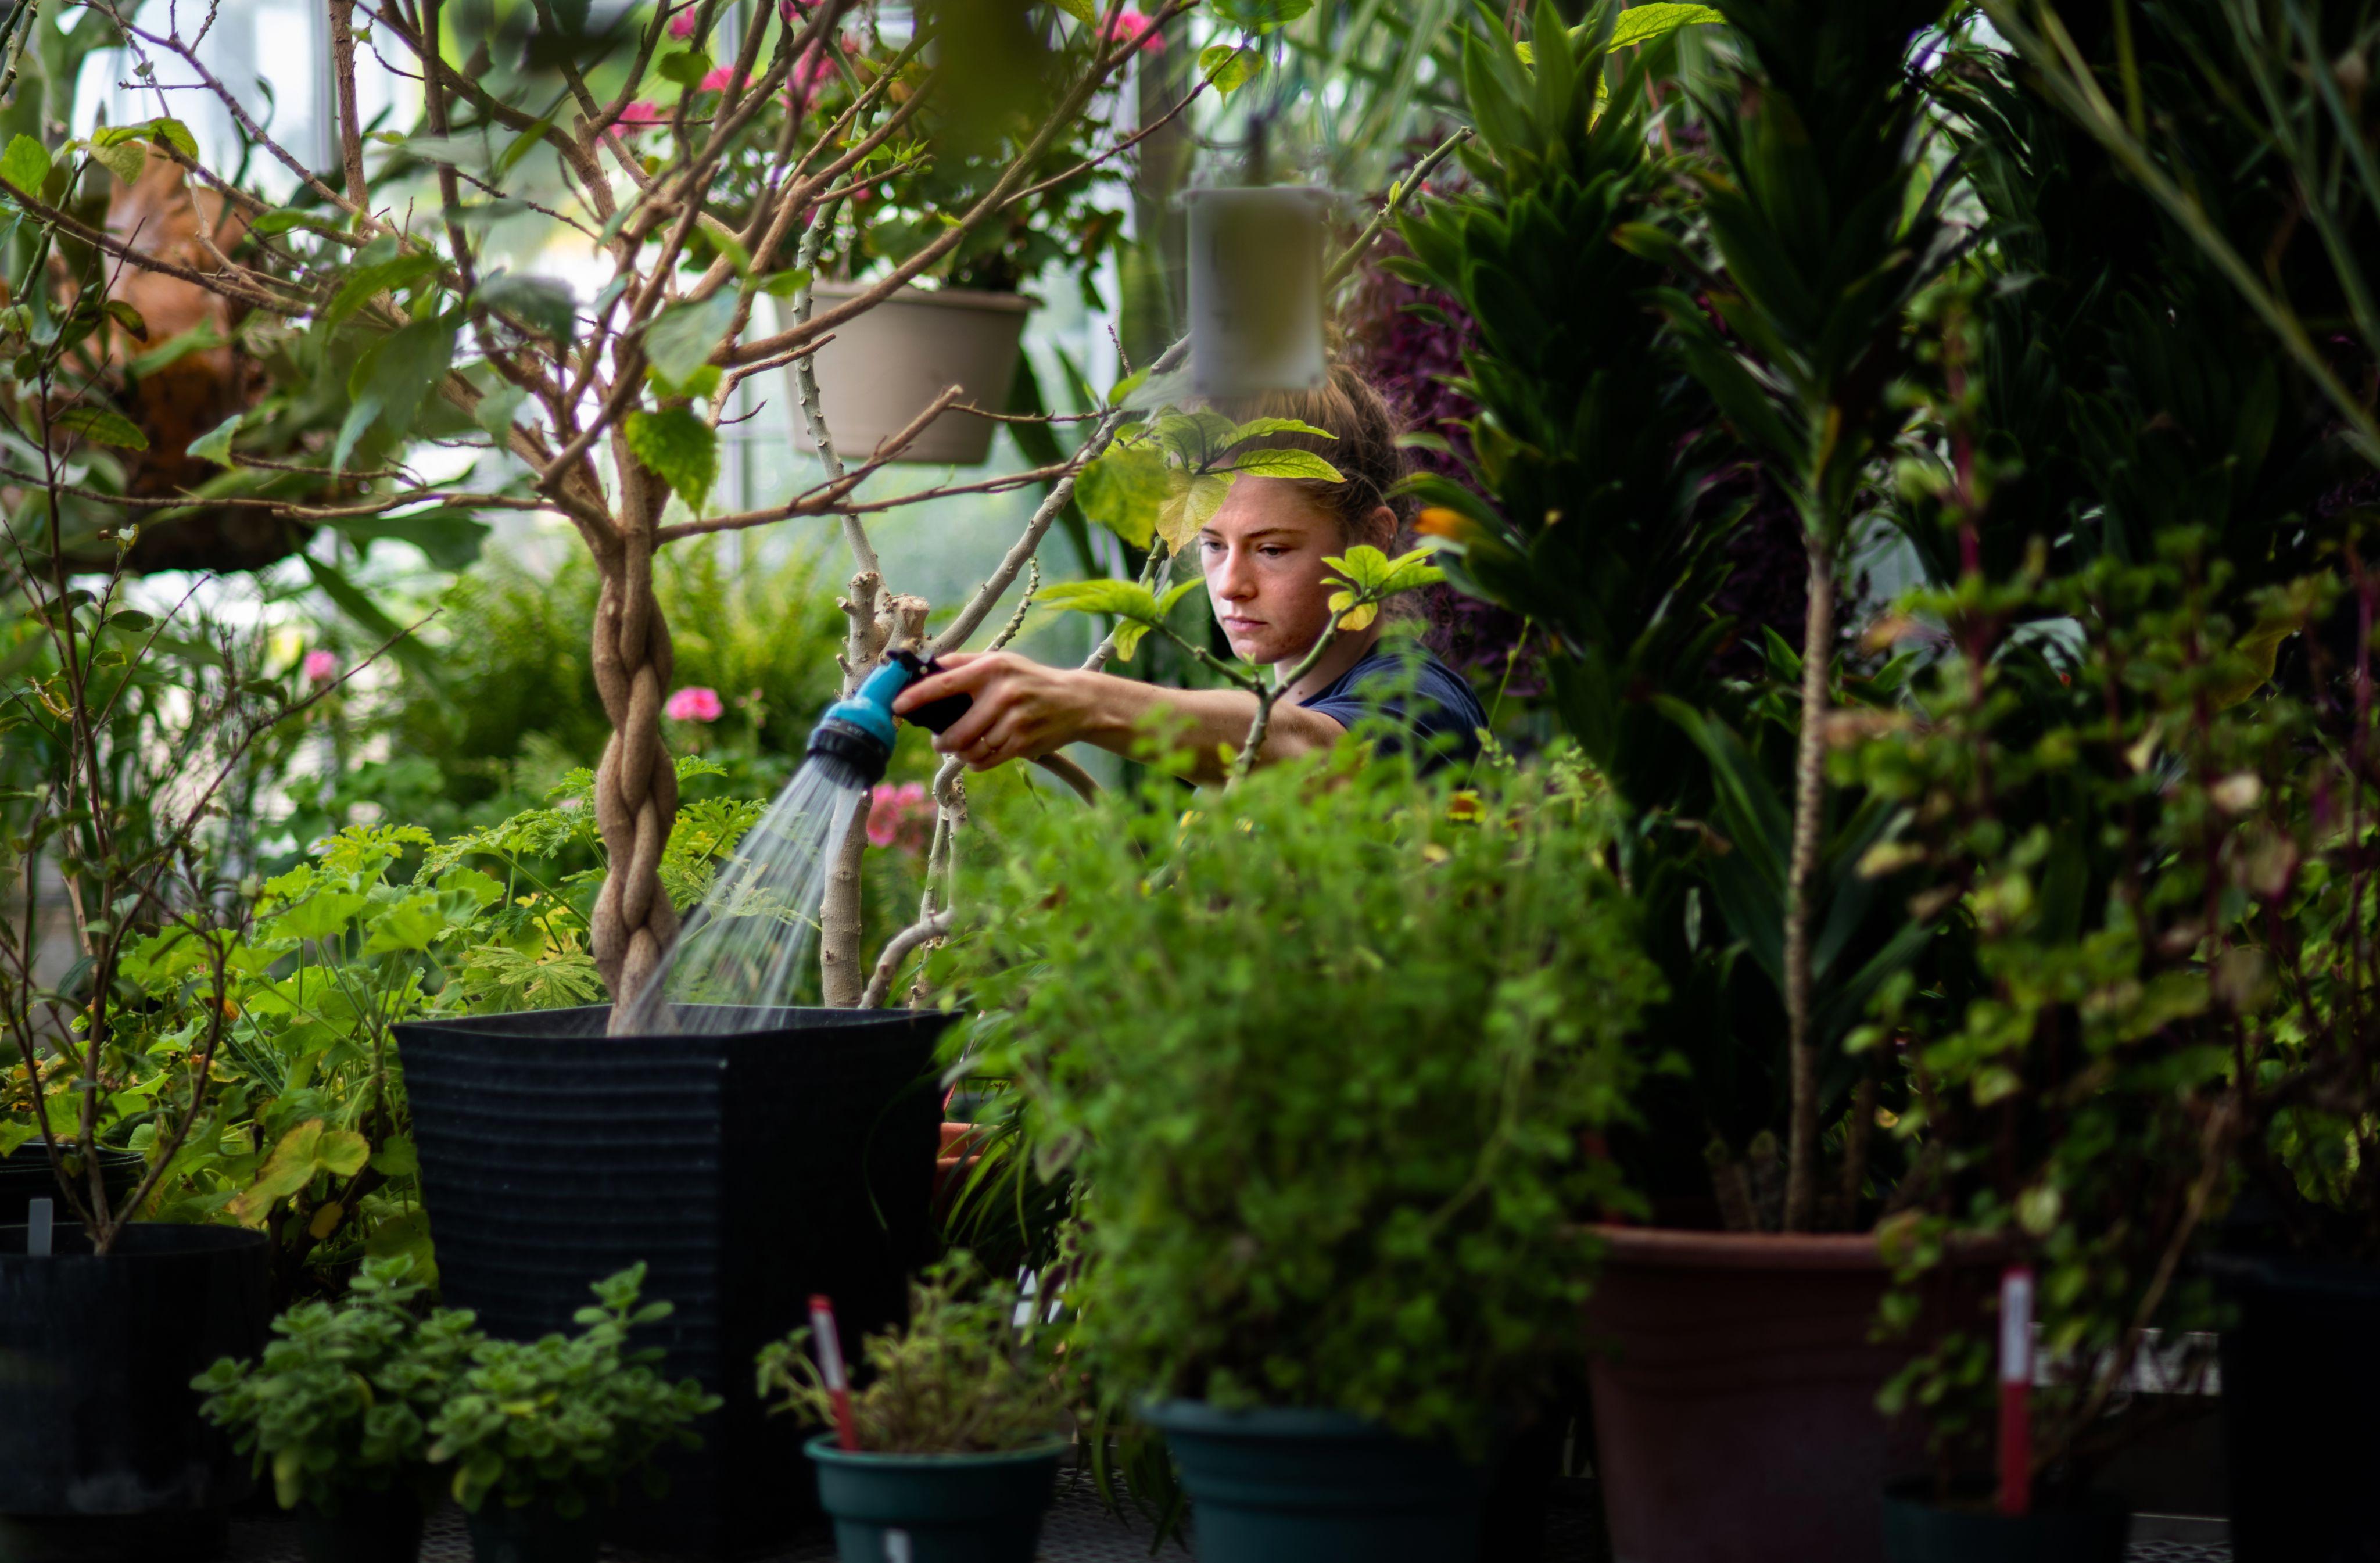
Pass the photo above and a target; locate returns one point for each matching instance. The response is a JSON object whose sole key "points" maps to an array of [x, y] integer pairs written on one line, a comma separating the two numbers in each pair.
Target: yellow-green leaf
{"points": [[1193, 499]]}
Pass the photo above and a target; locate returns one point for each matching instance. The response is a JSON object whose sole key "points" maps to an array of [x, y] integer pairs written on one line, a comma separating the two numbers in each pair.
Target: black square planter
{"points": [[747, 1172]]}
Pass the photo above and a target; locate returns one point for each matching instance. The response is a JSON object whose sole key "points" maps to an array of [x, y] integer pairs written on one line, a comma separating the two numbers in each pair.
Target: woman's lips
{"points": [[1243, 625]]}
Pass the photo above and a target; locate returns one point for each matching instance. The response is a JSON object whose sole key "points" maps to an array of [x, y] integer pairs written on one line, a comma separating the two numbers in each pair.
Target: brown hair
{"points": [[1363, 446]]}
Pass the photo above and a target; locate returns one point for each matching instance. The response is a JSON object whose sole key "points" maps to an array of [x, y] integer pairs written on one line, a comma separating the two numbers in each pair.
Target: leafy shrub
{"points": [[341, 1400], [561, 1418], [1325, 1055], [962, 1377]]}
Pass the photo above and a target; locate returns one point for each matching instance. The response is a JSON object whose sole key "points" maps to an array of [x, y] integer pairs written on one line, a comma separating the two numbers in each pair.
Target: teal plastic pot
{"points": [[947, 1509], [1319, 1486], [2091, 1529], [532, 1533]]}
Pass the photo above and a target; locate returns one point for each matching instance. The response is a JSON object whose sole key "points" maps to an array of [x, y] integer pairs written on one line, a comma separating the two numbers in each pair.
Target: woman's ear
{"points": [[1379, 528]]}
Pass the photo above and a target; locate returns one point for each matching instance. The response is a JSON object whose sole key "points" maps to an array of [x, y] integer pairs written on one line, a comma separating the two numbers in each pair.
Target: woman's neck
{"points": [[1349, 648]]}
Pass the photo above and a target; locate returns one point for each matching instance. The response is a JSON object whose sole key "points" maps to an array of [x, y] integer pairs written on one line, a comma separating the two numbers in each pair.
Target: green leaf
{"points": [[323, 915], [214, 445], [128, 317], [397, 1159], [25, 164], [351, 601], [1125, 599], [367, 282], [1641, 24], [281, 222], [686, 67], [785, 284], [1121, 391], [411, 924], [200, 338], [123, 159], [1226, 67], [1190, 506], [679, 448], [175, 134], [498, 410], [543, 304], [1258, 427], [1081, 10], [389, 382], [1286, 463], [106, 427], [1123, 491], [683, 337], [343, 1151], [448, 536]]}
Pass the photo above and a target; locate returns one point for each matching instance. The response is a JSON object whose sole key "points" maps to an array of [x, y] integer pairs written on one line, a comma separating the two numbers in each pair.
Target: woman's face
{"points": [[1263, 553]]}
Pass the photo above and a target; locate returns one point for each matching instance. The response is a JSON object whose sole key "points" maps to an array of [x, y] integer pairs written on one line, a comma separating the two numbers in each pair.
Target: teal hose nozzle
{"points": [[854, 739]]}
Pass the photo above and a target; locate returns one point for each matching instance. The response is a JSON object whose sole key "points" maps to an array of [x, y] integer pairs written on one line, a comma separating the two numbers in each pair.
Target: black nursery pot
{"points": [[2091, 1529], [2300, 1370], [747, 1172], [532, 1533], [102, 1451], [383, 1526], [27, 1176]]}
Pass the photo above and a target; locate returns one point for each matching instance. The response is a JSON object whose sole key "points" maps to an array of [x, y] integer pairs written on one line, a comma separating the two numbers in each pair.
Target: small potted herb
{"points": [[958, 1430], [338, 1409], [540, 1431], [1328, 1066]]}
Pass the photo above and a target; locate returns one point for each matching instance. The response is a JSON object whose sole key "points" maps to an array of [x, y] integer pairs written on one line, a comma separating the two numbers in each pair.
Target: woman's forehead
{"points": [[1258, 506]]}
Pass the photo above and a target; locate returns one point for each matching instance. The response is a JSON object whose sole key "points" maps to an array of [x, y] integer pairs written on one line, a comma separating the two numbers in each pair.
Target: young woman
{"points": [[1263, 555]]}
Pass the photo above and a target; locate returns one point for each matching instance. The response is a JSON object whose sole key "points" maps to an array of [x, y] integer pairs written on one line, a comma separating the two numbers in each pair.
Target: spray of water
{"points": [[744, 952]]}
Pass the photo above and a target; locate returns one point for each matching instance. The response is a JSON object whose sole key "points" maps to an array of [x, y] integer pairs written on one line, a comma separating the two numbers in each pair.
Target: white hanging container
{"points": [[885, 367], [1256, 289]]}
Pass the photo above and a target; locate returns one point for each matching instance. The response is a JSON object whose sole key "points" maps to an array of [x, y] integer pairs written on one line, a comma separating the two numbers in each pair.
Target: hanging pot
{"points": [[2306, 1345], [1735, 1414], [1255, 290], [102, 1451], [885, 367], [747, 1171], [1319, 1486], [2089, 1528], [935, 1509]]}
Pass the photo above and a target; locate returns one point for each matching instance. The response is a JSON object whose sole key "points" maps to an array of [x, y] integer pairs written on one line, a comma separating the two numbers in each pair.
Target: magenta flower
{"points": [[1134, 31], [682, 24], [718, 79], [793, 11], [810, 72], [321, 667], [641, 114], [694, 703], [899, 815]]}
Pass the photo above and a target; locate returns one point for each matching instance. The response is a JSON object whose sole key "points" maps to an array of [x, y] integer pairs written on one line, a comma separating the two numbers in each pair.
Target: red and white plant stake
{"points": [[2016, 1390], [829, 1362]]}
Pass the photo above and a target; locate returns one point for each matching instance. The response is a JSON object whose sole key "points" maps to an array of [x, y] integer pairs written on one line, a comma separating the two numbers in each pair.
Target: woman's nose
{"points": [[1235, 580]]}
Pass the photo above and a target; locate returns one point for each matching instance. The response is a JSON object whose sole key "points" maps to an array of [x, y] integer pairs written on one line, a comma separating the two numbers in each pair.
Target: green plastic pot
{"points": [[948, 1508], [382, 1527], [2091, 1529], [532, 1533], [1319, 1486]]}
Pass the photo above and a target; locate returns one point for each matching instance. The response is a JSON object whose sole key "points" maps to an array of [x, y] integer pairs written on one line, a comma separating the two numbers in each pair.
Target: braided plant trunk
{"points": [[636, 785]]}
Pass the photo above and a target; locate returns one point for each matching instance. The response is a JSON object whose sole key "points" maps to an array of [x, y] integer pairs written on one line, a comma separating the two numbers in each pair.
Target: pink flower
{"points": [[1134, 31], [812, 70], [694, 703], [718, 79], [899, 815], [682, 24], [639, 115], [791, 11], [321, 667]]}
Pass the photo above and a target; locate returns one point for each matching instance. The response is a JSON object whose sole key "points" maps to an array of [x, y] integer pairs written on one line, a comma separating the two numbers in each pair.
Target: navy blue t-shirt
{"points": [[1401, 681]]}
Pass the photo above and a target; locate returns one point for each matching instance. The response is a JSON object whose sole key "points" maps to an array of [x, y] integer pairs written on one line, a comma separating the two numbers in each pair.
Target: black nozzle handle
{"points": [[934, 716]]}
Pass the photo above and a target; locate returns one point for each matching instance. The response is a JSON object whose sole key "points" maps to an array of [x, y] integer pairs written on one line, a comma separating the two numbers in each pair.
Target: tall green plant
{"points": [[1822, 220]]}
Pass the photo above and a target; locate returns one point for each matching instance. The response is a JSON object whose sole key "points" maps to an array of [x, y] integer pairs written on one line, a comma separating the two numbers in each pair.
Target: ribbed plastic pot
{"points": [[532, 1533], [2093, 1528], [935, 1509], [27, 1176], [1735, 1389], [747, 1171], [883, 367], [1319, 1486], [383, 1526], [99, 1430], [2306, 1346]]}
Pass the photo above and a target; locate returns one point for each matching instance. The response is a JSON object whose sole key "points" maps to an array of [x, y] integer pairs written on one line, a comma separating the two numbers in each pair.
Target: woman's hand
{"points": [[1022, 709]]}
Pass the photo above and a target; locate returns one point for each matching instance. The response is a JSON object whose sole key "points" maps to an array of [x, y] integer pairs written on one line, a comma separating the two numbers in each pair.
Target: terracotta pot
{"points": [[953, 1165], [1735, 1415], [883, 367]]}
